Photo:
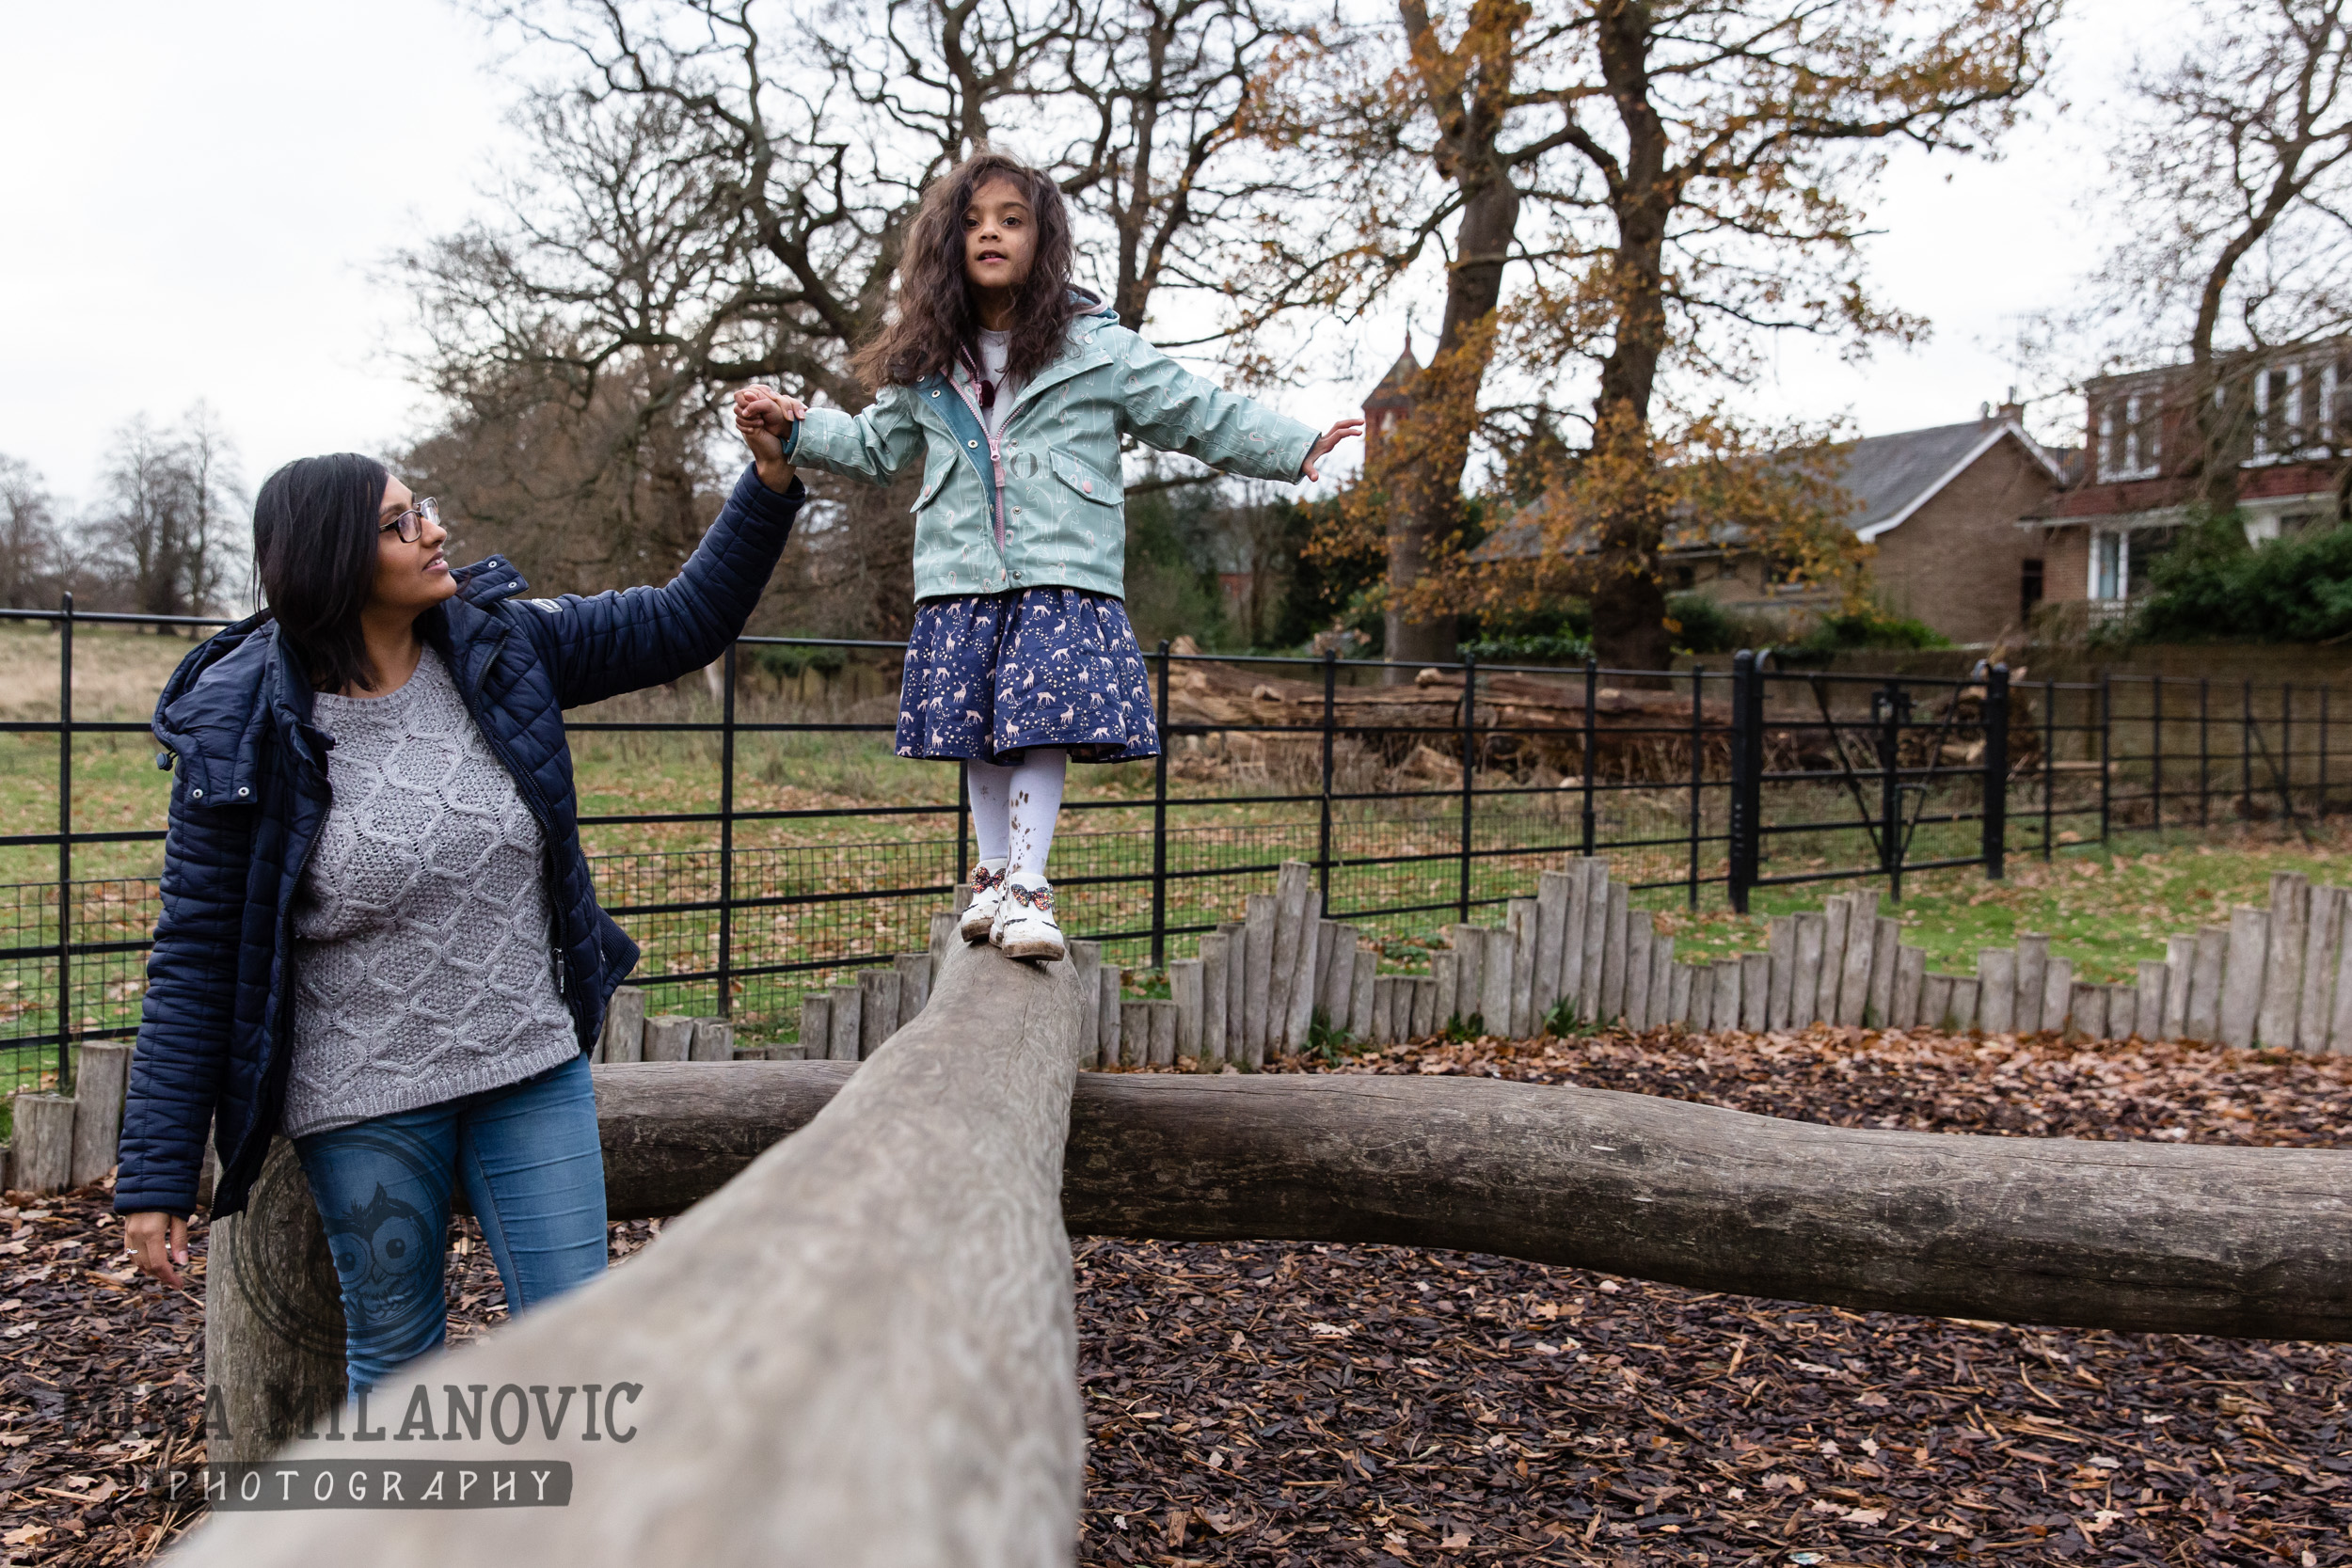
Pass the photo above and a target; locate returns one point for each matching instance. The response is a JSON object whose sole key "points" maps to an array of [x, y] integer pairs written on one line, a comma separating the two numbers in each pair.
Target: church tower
{"points": [[1390, 400]]}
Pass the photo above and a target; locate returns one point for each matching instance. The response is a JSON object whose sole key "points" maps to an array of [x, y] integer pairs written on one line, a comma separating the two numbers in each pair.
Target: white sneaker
{"points": [[988, 896], [1026, 926]]}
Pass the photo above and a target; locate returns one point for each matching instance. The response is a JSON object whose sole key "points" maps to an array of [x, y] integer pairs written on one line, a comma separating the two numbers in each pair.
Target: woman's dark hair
{"points": [[314, 548], [936, 318]]}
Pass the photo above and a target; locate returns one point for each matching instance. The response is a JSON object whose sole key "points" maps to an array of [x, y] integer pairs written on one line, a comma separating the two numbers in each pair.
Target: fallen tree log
{"points": [[2137, 1236], [860, 1352]]}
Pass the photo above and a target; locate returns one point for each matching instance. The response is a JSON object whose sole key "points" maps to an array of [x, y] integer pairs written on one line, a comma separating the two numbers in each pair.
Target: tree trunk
{"points": [[1629, 604], [863, 1352], [1466, 96], [273, 1318]]}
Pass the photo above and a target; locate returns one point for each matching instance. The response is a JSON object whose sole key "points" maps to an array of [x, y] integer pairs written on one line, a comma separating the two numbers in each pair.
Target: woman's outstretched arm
{"points": [[602, 645]]}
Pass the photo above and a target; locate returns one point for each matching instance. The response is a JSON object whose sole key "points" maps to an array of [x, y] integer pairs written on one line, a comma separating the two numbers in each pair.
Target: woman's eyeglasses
{"points": [[409, 525]]}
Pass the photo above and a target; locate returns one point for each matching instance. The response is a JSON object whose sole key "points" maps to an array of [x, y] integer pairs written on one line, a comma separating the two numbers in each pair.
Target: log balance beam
{"points": [[858, 1346]]}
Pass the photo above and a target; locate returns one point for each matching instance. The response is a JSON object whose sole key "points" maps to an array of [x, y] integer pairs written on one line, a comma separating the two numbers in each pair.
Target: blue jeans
{"points": [[533, 1170]]}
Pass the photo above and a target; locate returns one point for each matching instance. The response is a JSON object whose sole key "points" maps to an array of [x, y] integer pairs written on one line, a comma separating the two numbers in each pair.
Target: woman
{"points": [[379, 936]]}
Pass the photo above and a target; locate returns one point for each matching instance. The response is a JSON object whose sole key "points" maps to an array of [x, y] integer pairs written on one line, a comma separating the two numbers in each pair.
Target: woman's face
{"points": [[999, 236], [411, 577]]}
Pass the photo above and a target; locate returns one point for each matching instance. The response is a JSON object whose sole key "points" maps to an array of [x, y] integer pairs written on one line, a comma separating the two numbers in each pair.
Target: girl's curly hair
{"points": [[936, 317]]}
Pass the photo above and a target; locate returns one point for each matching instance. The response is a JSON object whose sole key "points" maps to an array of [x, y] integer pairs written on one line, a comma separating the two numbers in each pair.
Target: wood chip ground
{"points": [[1284, 1404]]}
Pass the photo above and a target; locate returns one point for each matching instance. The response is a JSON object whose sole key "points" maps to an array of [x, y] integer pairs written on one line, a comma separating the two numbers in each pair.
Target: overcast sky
{"points": [[200, 197]]}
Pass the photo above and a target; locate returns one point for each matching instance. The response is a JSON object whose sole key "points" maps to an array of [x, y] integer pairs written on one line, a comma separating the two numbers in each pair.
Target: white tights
{"points": [[1014, 809]]}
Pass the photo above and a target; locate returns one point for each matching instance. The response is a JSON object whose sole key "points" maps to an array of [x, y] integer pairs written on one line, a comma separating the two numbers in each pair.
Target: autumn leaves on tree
{"points": [[1628, 200]]}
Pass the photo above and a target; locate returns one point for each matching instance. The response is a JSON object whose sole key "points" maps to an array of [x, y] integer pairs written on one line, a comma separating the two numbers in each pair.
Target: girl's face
{"points": [[412, 576], [999, 237]]}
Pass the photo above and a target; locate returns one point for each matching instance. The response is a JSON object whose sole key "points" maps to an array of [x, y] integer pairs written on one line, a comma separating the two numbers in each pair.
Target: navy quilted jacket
{"points": [[252, 793]]}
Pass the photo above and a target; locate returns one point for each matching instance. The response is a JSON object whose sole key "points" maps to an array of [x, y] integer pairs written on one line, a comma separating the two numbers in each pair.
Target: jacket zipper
{"points": [[995, 463]]}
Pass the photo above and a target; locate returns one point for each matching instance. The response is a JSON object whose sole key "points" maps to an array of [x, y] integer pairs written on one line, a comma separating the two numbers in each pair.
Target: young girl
{"points": [[1014, 389]]}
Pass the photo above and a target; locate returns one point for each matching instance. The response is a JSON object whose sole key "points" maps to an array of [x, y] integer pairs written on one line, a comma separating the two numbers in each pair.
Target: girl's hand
{"points": [[765, 408], [761, 418], [158, 1244], [1344, 430]]}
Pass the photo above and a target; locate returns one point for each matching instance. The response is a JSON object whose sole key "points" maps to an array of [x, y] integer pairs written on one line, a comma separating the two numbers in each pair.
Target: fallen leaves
{"points": [[1566, 1418], [1285, 1405]]}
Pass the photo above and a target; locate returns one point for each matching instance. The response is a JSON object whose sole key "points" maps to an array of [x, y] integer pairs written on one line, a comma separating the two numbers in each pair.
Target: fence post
{"points": [[1469, 742], [1996, 822], [2286, 747], [1741, 854], [1323, 847], [1698, 773], [2323, 754], [1592, 735], [1888, 704], [2205, 749], [727, 835], [1159, 827], [2106, 768], [65, 847], [963, 818], [2156, 749], [2049, 765], [2246, 751]]}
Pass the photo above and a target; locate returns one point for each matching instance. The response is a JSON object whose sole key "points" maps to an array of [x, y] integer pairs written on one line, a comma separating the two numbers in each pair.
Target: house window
{"points": [[2279, 411], [2139, 434], [2110, 564], [2028, 587], [2130, 436]]}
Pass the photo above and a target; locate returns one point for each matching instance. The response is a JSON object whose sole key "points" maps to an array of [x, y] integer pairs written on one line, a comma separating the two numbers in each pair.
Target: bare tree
{"points": [[2235, 194], [165, 532], [211, 545], [33, 559], [710, 206]]}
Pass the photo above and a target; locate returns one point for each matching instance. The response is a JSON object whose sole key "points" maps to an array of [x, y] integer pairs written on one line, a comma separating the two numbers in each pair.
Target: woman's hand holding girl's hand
{"points": [[1344, 430], [761, 417], [158, 1244]]}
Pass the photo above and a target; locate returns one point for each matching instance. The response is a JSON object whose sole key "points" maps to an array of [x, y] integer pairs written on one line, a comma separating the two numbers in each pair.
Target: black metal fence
{"points": [[1425, 807]]}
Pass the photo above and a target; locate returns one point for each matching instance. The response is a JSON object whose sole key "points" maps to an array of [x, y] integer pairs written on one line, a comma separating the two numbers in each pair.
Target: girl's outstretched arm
{"points": [[875, 446], [1170, 407]]}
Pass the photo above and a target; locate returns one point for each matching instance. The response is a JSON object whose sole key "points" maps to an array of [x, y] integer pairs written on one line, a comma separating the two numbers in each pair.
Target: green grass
{"points": [[2104, 909], [2107, 909]]}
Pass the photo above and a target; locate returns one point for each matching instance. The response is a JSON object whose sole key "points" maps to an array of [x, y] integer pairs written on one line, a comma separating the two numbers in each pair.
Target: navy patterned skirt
{"points": [[990, 675]]}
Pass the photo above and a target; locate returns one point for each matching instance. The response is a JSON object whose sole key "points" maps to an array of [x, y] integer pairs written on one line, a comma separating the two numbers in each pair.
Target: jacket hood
{"points": [[243, 680]]}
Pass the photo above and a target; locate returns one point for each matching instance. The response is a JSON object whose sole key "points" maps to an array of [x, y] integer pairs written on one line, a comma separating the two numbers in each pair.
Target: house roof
{"points": [[1890, 476]]}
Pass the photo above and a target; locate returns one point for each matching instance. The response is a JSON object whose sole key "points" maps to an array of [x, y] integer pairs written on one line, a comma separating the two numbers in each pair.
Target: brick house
{"points": [[1940, 506], [2142, 456]]}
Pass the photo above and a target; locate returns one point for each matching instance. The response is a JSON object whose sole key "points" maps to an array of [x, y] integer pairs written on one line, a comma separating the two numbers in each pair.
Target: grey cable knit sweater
{"points": [[424, 963]]}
